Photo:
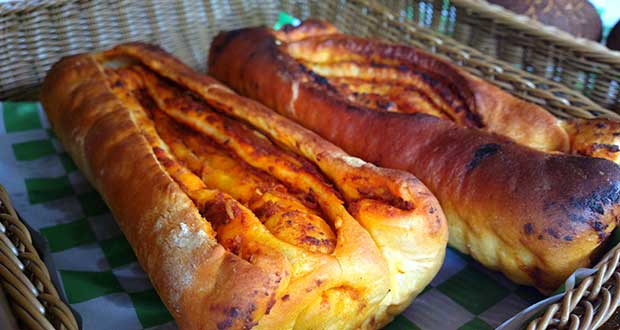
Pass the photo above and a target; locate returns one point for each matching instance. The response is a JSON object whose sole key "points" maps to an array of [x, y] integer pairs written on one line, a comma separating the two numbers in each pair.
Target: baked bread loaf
{"points": [[513, 199], [242, 218], [362, 72]]}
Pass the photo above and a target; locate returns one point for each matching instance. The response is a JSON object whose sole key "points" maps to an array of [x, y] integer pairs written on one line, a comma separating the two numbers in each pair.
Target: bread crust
{"points": [[512, 207], [205, 285]]}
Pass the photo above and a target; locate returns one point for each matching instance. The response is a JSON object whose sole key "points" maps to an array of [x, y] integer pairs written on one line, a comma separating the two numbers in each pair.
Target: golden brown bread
{"points": [[366, 73], [594, 137], [512, 207], [241, 218]]}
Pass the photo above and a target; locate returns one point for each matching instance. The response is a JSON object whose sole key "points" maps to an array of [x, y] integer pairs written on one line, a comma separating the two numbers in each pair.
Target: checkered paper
{"points": [[105, 284]]}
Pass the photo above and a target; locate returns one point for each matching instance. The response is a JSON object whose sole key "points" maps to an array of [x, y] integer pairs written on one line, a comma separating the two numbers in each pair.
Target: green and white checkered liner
{"points": [[108, 288]]}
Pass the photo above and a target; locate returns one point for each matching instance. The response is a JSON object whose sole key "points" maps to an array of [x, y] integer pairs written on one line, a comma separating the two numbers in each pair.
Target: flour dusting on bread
{"points": [[186, 239]]}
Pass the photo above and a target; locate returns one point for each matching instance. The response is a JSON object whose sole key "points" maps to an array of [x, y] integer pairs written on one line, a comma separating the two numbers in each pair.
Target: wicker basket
{"points": [[25, 279], [37, 33], [590, 302], [582, 65]]}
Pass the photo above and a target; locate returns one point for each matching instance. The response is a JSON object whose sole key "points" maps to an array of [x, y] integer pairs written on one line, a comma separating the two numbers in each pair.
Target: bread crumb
{"points": [[294, 95], [353, 161]]}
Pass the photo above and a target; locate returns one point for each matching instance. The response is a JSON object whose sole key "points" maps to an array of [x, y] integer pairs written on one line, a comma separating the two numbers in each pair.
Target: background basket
{"points": [[582, 65], [35, 34]]}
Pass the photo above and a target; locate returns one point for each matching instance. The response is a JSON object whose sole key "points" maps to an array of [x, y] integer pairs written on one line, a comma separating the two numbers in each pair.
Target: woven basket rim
{"points": [[546, 32], [554, 96], [13, 6], [593, 301], [33, 298]]}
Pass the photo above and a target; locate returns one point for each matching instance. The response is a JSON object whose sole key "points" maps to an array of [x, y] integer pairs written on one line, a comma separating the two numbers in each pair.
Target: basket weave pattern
{"points": [[24, 277], [38, 33], [589, 305]]}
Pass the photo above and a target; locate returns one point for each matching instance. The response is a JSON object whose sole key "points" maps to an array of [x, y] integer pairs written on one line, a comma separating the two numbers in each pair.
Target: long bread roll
{"points": [[241, 218], [516, 202]]}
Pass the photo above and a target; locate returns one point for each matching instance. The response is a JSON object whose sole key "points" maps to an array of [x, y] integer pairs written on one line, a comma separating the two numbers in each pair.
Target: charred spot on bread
{"points": [[224, 40], [238, 317], [598, 200], [553, 233], [482, 152], [528, 228], [606, 146]]}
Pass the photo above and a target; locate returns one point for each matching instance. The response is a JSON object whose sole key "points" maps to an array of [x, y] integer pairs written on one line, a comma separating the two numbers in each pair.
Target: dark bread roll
{"points": [[577, 17], [613, 39]]}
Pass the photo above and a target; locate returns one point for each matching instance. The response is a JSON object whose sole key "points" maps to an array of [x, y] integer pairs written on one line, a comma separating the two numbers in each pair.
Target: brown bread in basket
{"points": [[514, 202], [242, 218]]}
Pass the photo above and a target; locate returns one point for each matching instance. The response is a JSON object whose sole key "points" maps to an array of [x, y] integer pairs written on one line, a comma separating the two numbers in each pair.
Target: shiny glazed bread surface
{"points": [[242, 218], [514, 197]]}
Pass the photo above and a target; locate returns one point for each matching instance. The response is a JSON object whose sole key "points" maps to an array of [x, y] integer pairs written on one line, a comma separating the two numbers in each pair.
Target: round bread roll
{"points": [[577, 17], [613, 39]]}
